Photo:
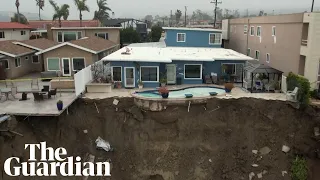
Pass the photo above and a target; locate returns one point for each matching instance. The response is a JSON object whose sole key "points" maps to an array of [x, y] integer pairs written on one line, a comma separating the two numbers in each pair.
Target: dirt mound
{"points": [[212, 141]]}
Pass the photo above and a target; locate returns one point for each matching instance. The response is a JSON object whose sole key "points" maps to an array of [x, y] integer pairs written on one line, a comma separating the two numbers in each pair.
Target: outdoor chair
{"points": [[292, 95], [37, 96], [53, 92], [259, 85], [208, 79], [9, 83], [14, 92], [35, 84], [2, 95], [270, 86]]}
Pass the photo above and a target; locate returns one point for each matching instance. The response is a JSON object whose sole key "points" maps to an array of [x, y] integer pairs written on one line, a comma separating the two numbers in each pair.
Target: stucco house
{"points": [[14, 31], [186, 56]]}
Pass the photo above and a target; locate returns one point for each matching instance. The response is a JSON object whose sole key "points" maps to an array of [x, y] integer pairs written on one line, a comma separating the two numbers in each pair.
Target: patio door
{"points": [[171, 74], [129, 77], [66, 68]]}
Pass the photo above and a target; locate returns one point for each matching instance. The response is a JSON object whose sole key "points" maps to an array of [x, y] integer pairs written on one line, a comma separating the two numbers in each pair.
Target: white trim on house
{"points": [[275, 31], [69, 44], [192, 29], [26, 45], [134, 77], [14, 56], [62, 63], [112, 72], [251, 30], [7, 62], [185, 37], [184, 71], [150, 67], [268, 55], [215, 38], [84, 59], [15, 64], [62, 35], [58, 61], [102, 33], [245, 29]]}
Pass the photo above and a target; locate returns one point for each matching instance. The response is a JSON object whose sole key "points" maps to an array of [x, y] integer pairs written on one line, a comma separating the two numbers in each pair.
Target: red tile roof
{"points": [[64, 23], [13, 25]]}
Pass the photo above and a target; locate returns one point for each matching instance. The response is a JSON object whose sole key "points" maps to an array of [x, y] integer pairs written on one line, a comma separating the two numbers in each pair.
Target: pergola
{"points": [[255, 67]]}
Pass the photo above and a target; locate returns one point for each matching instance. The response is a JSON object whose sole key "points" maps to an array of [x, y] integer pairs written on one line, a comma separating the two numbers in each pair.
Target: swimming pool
{"points": [[180, 93]]}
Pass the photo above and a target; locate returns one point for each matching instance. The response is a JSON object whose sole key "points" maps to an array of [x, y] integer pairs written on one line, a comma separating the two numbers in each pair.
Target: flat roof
{"points": [[192, 29], [168, 54], [67, 28]]}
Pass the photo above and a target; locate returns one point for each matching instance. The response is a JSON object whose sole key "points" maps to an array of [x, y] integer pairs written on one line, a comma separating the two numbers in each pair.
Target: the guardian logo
{"points": [[56, 162]]}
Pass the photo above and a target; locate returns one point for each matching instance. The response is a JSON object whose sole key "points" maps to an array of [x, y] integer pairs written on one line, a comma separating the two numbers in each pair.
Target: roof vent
{"points": [[127, 52]]}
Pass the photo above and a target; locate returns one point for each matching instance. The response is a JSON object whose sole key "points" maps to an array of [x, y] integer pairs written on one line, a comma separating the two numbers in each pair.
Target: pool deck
{"points": [[236, 93]]}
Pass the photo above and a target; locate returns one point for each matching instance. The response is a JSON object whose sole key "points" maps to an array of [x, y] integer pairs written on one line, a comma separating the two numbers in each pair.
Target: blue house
{"points": [[192, 37]]}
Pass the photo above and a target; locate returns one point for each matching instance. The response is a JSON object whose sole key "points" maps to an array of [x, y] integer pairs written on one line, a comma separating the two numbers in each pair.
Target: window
{"points": [[117, 73], [68, 36], [245, 29], [273, 31], [23, 33], [2, 36], [4, 63], [229, 69], [53, 64], [35, 59], [17, 62], [102, 35], [252, 31], [181, 37], [248, 52], [78, 64], [214, 38], [257, 55], [26, 58], [149, 74], [268, 58], [193, 71], [259, 31]]}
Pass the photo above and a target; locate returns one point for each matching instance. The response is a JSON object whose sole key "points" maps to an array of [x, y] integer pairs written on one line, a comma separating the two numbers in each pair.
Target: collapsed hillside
{"points": [[212, 141]]}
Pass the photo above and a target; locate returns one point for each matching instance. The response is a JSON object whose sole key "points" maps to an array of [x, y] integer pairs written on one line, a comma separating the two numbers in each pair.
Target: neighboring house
{"points": [[66, 34], [192, 37], [14, 31], [148, 63], [72, 56], [289, 43]]}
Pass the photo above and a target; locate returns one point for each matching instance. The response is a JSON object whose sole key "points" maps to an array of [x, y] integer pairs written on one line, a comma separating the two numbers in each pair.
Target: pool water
{"points": [[195, 91]]}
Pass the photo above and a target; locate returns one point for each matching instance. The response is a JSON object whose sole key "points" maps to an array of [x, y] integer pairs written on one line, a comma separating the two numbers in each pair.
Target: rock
{"points": [[174, 154], [130, 166], [259, 175], [284, 173], [115, 101], [210, 160], [265, 150], [251, 175], [259, 158], [122, 168], [224, 176], [176, 173], [255, 165], [255, 151], [264, 172], [85, 131], [285, 148], [316, 131], [136, 112]]}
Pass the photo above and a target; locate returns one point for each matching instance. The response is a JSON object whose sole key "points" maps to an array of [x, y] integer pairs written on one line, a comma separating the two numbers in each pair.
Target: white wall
{"points": [[15, 34], [225, 29]]}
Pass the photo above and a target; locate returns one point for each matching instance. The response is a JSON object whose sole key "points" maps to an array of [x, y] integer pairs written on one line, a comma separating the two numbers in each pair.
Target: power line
{"points": [[215, 2], [185, 16]]}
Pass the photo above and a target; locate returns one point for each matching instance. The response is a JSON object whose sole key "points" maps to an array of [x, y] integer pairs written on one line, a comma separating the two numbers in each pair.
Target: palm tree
{"points": [[102, 11], [40, 4], [21, 18], [17, 5], [60, 12], [82, 6]]}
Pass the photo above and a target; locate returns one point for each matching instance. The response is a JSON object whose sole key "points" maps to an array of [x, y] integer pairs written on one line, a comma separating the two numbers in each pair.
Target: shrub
{"points": [[294, 80], [299, 169]]}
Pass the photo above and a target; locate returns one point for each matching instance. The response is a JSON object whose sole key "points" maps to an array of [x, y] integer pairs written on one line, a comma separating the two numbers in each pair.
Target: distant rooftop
{"points": [[118, 21], [13, 25], [192, 29], [86, 28], [64, 23]]}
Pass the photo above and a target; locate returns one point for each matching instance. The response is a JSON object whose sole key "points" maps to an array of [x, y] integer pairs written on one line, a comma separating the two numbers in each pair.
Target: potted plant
{"points": [[164, 92], [60, 105], [228, 87], [140, 84], [276, 87], [163, 82]]}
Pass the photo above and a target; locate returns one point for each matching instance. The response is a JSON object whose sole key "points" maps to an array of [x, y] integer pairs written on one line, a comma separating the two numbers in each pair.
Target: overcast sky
{"points": [[140, 8]]}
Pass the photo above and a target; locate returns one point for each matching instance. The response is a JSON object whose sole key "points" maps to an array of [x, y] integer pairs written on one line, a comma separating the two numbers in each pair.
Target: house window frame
{"points": [[245, 29], [3, 35], [259, 28], [235, 68], [23, 33], [268, 58], [184, 70], [184, 39], [149, 67], [220, 39], [252, 29], [7, 62], [274, 31], [84, 60], [38, 59], [249, 50], [58, 61], [62, 34], [120, 72], [96, 34], [255, 55], [16, 62]]}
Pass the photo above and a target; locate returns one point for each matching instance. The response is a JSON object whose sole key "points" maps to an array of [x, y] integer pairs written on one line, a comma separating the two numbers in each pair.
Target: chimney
{"points": [[49, 32]]}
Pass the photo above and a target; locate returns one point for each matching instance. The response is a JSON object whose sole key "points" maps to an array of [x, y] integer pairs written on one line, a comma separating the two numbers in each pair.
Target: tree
{"points": [[17, 5], [21, 18], [148, 18], [178, 16], [262, 13], [129, 35], [40, 4], [155, 34], [102, 10], [60, 12], [82, 6]]}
